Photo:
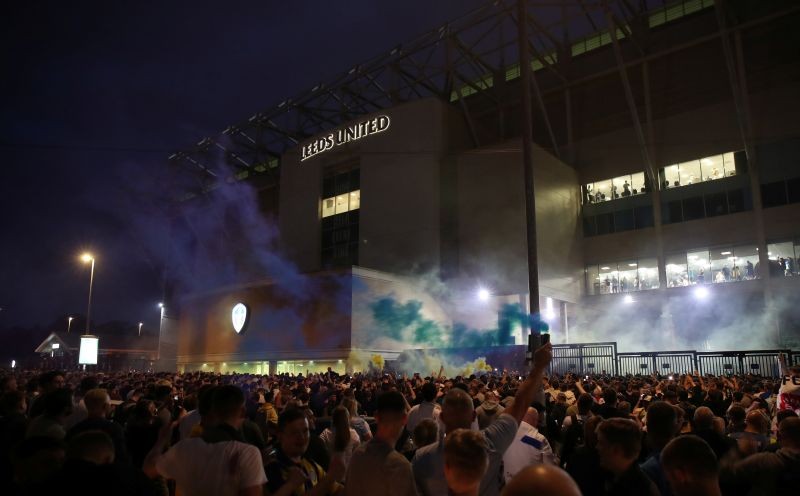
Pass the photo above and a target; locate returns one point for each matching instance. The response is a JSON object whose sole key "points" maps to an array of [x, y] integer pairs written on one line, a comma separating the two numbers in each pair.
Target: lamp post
{"points": [[140, 329], [86, 258], [69, 323], [160, 324]]}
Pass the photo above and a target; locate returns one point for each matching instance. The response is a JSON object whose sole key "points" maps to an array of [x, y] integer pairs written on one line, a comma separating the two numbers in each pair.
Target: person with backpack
{"points": [[572, 428]]}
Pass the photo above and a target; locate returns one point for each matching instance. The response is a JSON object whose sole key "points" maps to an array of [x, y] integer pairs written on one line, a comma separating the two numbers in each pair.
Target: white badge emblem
{"points": [[239, 317]]}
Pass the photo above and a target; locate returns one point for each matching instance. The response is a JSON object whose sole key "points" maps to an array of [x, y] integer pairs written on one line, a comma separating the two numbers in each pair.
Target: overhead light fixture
{"points": [[605, 268], [725, 253], [631, 265]]}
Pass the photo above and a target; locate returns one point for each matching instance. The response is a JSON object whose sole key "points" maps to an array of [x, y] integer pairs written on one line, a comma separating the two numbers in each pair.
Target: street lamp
{"points": [[86, 258], [160, 324], [140, 329], [69, 323]]}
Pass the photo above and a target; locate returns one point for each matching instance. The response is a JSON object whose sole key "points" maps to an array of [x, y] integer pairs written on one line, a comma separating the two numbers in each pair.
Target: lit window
{"points": [[647, 276], [328, 207], [782, 259], [355, 199], [677, 271], [342, 203], [745, 259]]}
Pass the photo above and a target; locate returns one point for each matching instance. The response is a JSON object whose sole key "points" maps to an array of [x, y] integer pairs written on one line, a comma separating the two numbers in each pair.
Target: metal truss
{"points": [[467, 63]]}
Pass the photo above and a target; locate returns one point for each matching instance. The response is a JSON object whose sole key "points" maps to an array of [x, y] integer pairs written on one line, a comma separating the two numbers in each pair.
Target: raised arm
{"points": [[527, 390]]}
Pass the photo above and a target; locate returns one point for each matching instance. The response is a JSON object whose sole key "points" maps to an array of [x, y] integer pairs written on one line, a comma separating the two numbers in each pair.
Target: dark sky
{"points": [[96, 95]]}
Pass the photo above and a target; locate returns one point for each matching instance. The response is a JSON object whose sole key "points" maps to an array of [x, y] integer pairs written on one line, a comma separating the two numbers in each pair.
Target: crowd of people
{"points": [[390, 434]]}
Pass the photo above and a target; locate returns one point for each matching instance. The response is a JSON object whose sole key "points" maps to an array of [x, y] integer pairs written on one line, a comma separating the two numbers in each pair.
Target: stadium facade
{"points": [[667, 184]]}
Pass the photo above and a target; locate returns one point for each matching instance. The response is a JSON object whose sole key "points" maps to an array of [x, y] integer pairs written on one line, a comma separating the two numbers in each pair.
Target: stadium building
{"points": [[385, 210]]}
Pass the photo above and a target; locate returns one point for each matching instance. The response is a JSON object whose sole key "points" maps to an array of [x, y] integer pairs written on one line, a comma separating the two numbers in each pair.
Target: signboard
{"points": [[239, 316], [88, 352], [344, 135]]}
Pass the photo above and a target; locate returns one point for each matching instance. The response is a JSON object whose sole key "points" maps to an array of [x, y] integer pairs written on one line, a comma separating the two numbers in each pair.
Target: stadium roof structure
{"points": [[471, 63]]}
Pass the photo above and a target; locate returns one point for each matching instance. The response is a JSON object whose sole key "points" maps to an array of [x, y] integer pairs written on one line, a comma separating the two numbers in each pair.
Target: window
{"points": [[609, 278], [783, 258], [622, 277], [717, 265], [628, 275], [698, 266], [340, 217], [676, 269], [328, 208], [614, 189], [693, 208], [744, 262], [647, 274], [698, 170]]}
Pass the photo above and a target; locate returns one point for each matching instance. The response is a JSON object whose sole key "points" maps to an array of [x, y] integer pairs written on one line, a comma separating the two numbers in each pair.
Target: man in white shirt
{"points": [[529, 447], [229, 467], [458, 412], [424, 410]]}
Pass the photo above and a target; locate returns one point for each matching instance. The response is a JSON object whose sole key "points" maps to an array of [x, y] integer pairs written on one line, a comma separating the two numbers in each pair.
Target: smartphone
{"points": [[175, 398]]}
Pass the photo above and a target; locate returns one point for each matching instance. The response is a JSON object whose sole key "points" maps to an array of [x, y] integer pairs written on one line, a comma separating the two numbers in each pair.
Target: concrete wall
{"points": [[492, 239], [400, 191]]}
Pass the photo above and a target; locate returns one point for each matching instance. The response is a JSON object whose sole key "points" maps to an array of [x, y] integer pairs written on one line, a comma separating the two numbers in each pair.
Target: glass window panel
{"points": [[602, 190], [693, 208], [729, 163], [643, 216], [605, 223], [627, 276], [672, 176], [676, 271], [647, 274], [593, 282], [782, 256], [674, 212], [735, 200], [619, 185], [690, 172], [722, 261], [712, 168], [609, 278], [746, 261], [637, 184], [355, 200], [623, 220], [342, 203], [716, 204], [328, 207], [589, 228], [698, 265]]}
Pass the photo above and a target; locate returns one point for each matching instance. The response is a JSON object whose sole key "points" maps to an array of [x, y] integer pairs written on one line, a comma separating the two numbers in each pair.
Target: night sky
{"points": [[96, 95]]}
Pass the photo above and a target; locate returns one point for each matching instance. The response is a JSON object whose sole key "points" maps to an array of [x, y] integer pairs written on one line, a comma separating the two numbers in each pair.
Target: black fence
{"points": [[664, 363], [598, 358], [592, 358], [762, 362]]}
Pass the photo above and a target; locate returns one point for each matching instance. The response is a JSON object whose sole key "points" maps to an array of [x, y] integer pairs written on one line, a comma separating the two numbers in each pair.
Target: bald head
{"points": [[703, 418], [542, 479], [531, 416]]}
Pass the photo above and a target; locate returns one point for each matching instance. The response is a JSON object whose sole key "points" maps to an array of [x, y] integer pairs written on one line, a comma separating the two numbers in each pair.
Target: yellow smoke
{"points": [[377, 361]]}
